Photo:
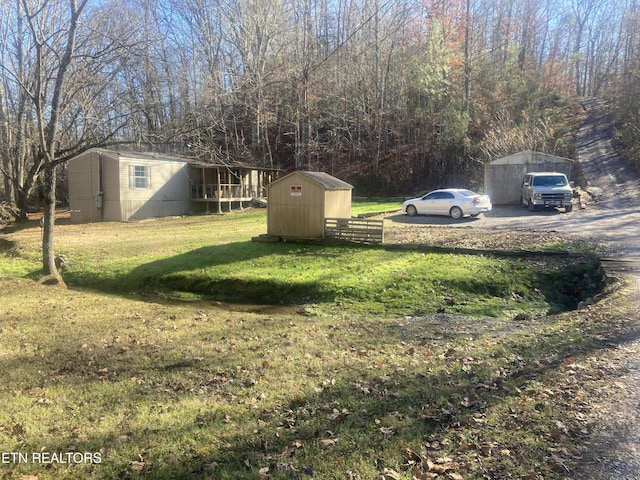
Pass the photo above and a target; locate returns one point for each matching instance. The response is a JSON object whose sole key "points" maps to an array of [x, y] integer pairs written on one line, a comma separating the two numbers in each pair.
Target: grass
{"points": [[329, 361], [213, 258], [363, 207]]}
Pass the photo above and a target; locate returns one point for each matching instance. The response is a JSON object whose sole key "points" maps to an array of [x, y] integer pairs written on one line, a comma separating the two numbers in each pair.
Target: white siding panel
{"points": [[169, 191]]}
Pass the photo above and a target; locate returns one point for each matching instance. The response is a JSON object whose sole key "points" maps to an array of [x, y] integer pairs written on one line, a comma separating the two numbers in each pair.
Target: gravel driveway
{"points": [[608, 214]]}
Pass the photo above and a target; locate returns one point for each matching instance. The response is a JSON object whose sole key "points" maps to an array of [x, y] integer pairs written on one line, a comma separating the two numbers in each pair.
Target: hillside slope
{"points": [[613, 448], [612, 180]]}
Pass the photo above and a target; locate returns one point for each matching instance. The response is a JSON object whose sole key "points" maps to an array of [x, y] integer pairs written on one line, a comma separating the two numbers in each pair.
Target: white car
{"points": [[455, 202]]}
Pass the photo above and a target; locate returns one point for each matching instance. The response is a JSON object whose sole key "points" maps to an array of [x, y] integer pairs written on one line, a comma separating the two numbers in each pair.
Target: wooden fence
{"points": [[358, 230]]}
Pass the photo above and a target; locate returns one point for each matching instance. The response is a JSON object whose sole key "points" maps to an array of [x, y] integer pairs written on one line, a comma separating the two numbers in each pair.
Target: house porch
{"points": [[214, 186]]}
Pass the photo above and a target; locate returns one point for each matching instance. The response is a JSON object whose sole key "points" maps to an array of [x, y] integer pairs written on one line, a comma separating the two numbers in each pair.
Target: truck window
{"points": [[550, 181]]}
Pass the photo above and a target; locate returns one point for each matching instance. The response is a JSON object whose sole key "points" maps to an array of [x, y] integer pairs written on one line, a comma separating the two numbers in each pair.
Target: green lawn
{"points": [[214, 258], [196, 353]]}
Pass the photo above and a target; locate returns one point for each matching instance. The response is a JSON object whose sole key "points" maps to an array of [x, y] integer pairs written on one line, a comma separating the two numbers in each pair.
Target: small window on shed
{"points": [[139, 177]]}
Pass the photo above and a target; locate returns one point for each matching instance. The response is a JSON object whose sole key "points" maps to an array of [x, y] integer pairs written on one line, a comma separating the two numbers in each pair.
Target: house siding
{"points": [[111, 189], [176, 185], [167, 194], [87, 173], [83, 188]]}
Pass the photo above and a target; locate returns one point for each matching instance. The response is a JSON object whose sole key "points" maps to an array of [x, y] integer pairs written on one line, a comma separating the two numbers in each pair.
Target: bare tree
{"points": [[16, 118], [585, 12], [71, 86]]}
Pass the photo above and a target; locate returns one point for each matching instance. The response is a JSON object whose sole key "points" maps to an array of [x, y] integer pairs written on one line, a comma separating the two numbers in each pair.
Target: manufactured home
{"points": [[106, 185]]}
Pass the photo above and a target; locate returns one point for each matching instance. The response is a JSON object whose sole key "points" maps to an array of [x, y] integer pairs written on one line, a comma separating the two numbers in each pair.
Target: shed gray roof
{"points": [[328, 181], [529, 156], [325, 180]]}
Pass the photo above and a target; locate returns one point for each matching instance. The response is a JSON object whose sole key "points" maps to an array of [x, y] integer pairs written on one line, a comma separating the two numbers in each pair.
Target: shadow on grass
{"points": [[294, 274], [204, 272]]}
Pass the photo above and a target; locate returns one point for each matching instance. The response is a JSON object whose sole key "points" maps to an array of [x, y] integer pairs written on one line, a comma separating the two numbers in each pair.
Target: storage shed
{"points": [[299, 202], [503, 177]]}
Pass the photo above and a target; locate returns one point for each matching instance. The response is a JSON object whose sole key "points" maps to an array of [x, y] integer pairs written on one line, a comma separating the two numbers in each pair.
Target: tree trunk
{"points": [[48, 220], [467, 60]]}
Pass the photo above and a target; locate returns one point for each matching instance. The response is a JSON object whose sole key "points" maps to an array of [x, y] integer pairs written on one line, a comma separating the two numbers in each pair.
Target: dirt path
{"points": [[613, 451], [612, 181]]}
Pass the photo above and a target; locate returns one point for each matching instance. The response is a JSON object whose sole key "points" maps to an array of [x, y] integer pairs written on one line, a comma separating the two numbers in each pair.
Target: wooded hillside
{"points": [[393, 96]]}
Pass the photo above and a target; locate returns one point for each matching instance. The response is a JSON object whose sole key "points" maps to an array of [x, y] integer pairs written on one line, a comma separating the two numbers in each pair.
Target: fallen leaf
{"points": [[417, 474], [328, 442], [13, 428], [555, 434], [412, 456], [389, 474]]}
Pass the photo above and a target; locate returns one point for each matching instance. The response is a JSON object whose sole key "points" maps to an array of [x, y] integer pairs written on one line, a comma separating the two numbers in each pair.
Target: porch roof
{"points": [[198, 163], [190, 160]]}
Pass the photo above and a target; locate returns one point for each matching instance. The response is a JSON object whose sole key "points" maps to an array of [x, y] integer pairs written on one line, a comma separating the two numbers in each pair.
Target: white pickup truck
{"points": [[546, 189]]}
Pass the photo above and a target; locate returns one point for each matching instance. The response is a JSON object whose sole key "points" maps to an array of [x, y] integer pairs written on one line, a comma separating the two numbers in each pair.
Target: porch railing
{"points": [[226, 191]]}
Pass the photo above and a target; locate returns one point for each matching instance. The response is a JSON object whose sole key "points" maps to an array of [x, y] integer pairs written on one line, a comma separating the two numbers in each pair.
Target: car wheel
{"points": [[455, 212], [522, 202], [568, 208], [411, 211], [530, 206]]}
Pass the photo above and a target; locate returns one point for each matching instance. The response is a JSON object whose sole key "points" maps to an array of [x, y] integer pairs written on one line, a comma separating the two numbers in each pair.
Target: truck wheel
{"points": [[568, 208], [530, 206]]}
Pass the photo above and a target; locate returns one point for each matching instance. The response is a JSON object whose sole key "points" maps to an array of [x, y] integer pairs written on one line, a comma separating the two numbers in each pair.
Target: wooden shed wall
{"points": [[337, 204], [296, 208]]}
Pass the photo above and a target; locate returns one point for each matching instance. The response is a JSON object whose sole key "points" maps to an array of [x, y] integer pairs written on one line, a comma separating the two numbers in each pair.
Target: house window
{"points": [[139, 177]]}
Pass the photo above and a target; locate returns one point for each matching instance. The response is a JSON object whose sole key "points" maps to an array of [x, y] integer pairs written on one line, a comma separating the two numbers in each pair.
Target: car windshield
{"points": [[467, 193], [550, 181]]}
